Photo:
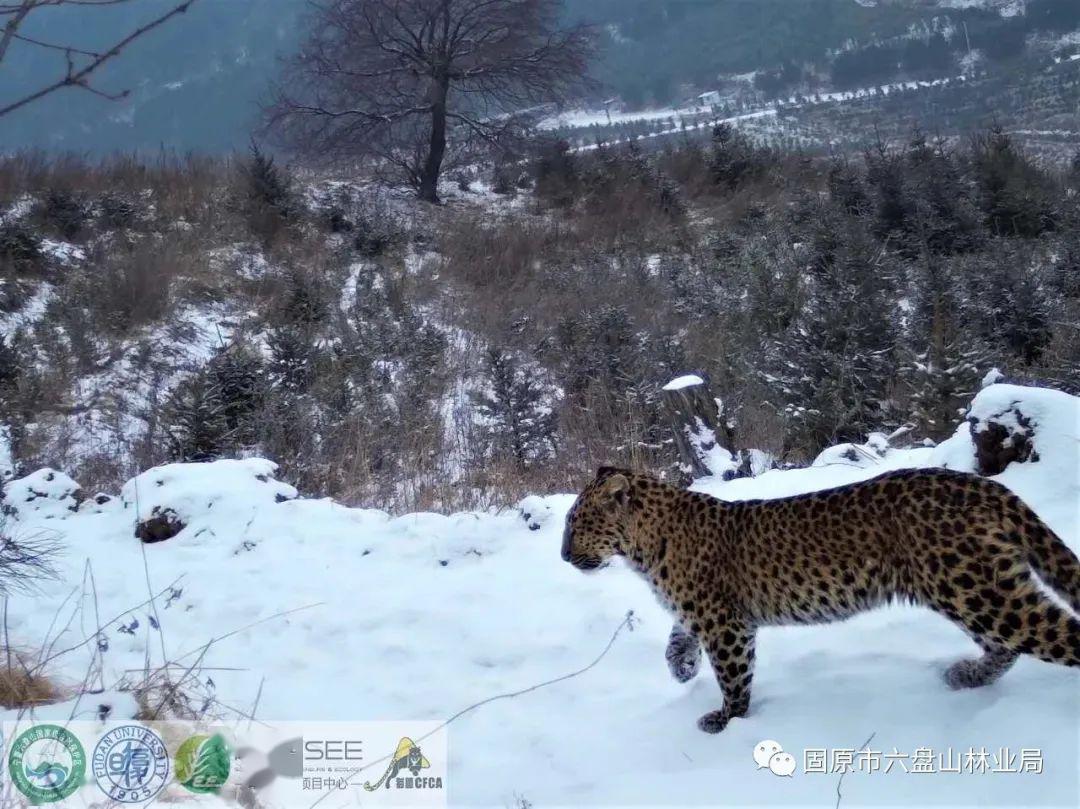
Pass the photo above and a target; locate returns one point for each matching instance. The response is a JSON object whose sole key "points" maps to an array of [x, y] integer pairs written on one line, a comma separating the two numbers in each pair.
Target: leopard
{"points": [[962, 545]]}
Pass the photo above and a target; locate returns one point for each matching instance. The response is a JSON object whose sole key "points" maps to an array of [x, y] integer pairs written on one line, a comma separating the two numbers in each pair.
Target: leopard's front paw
{"points": [[714, 721], [684, 665], [683, 655]]}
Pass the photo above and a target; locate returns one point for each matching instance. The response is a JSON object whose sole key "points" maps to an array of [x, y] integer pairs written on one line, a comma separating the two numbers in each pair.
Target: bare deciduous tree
{"points": [[79, 65], [399, 80]]}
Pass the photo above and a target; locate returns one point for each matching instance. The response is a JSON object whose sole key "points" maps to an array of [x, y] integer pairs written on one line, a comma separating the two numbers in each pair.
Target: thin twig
{"points": [[107, 624], [627, 623], [252, 624], [863, 746]]}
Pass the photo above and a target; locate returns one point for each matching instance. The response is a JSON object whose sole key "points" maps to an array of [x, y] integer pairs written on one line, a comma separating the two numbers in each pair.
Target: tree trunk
{"points": [[429, 174]]}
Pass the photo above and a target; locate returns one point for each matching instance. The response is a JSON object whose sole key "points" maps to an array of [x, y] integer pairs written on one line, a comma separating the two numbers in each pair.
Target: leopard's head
{"points": [[597, 523]]}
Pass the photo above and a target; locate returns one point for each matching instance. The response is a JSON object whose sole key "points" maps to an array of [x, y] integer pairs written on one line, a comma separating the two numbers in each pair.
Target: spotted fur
{"points": [[962, 545]]}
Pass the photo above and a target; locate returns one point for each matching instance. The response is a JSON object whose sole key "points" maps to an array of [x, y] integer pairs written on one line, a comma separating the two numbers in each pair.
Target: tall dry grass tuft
{"points": [[23, 686]]}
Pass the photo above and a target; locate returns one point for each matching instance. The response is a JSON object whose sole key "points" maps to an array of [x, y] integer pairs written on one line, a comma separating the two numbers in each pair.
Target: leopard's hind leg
{"points": [[995, 661], [992, 595]]}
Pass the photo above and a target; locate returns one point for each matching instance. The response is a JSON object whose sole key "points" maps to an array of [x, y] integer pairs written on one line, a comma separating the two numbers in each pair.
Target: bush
{"points": [[127, 287], [63, 212], [20, 248], [117, 210]]}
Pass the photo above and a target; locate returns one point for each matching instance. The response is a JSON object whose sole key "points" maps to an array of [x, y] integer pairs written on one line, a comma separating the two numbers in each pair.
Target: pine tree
{"points": [[832, 368], [267, 196], [1011, 305], [943, 362], [1016, 193], [292, 359], [239, 376], [195, 421], [518, 420], [268, 187]]}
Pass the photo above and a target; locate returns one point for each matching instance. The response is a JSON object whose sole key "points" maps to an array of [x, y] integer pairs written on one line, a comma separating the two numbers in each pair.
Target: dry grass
{"points": [[22, 685]]}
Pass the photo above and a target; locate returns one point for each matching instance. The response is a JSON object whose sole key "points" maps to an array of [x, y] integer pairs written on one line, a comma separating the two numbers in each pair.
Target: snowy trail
{"points": [[422, 615]]}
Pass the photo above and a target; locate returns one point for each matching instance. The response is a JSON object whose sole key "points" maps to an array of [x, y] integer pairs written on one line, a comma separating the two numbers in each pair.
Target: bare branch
{"points": [[74, 75]]}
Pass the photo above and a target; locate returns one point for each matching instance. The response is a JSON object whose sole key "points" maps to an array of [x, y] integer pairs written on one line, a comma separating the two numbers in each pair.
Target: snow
{"points": [[681, 382], [350, 614], [64, 252], [105, 705]]}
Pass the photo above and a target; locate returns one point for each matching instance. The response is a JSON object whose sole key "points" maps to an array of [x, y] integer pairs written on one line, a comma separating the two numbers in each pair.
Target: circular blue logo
{"points": [[131, 764]]}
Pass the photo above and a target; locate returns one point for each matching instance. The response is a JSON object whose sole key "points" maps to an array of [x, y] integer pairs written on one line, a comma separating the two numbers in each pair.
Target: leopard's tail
{"points": [[1049, 556]]}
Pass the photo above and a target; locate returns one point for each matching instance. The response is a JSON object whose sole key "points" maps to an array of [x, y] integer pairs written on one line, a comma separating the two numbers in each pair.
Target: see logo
{"points": [[407, 757]]}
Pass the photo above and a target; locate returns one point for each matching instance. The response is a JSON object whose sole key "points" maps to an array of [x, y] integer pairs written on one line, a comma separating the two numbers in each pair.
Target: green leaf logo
{"points": [[202, 763]]}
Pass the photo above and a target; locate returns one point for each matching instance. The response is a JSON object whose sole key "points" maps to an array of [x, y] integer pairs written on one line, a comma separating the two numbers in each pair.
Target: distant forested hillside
{"points": [[657, 50], [653, 46], [196, 83]]}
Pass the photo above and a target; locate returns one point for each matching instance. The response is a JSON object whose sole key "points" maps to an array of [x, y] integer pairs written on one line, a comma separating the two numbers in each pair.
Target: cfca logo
{"points": [[47, 763], [407, 758], [202, 763]]}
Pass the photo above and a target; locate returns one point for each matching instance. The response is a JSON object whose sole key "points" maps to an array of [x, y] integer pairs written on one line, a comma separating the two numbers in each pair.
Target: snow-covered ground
{"points": [[422, 615]]}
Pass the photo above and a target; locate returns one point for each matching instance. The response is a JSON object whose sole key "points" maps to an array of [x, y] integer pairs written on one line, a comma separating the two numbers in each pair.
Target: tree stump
{"points": [[695, 421]]}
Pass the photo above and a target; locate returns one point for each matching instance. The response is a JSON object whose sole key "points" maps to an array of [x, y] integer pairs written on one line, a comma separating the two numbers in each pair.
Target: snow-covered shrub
{"points": [[167, 499], [863, 455], [100, 503], [117, 210], [20, 247], [44, 493]]}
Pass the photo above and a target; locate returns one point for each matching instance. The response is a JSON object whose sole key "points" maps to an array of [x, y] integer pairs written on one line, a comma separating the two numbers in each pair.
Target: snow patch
{"points": [[684, 382]]}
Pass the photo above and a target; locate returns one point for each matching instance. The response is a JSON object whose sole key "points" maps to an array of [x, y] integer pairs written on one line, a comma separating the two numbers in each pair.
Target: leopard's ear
{"points": [[617, 486], [606, 471]]}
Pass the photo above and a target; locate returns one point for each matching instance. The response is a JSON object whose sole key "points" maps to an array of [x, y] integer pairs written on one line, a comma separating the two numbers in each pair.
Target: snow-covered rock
{"points": [[44, 493], [1010, 423], [167, 499]]}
